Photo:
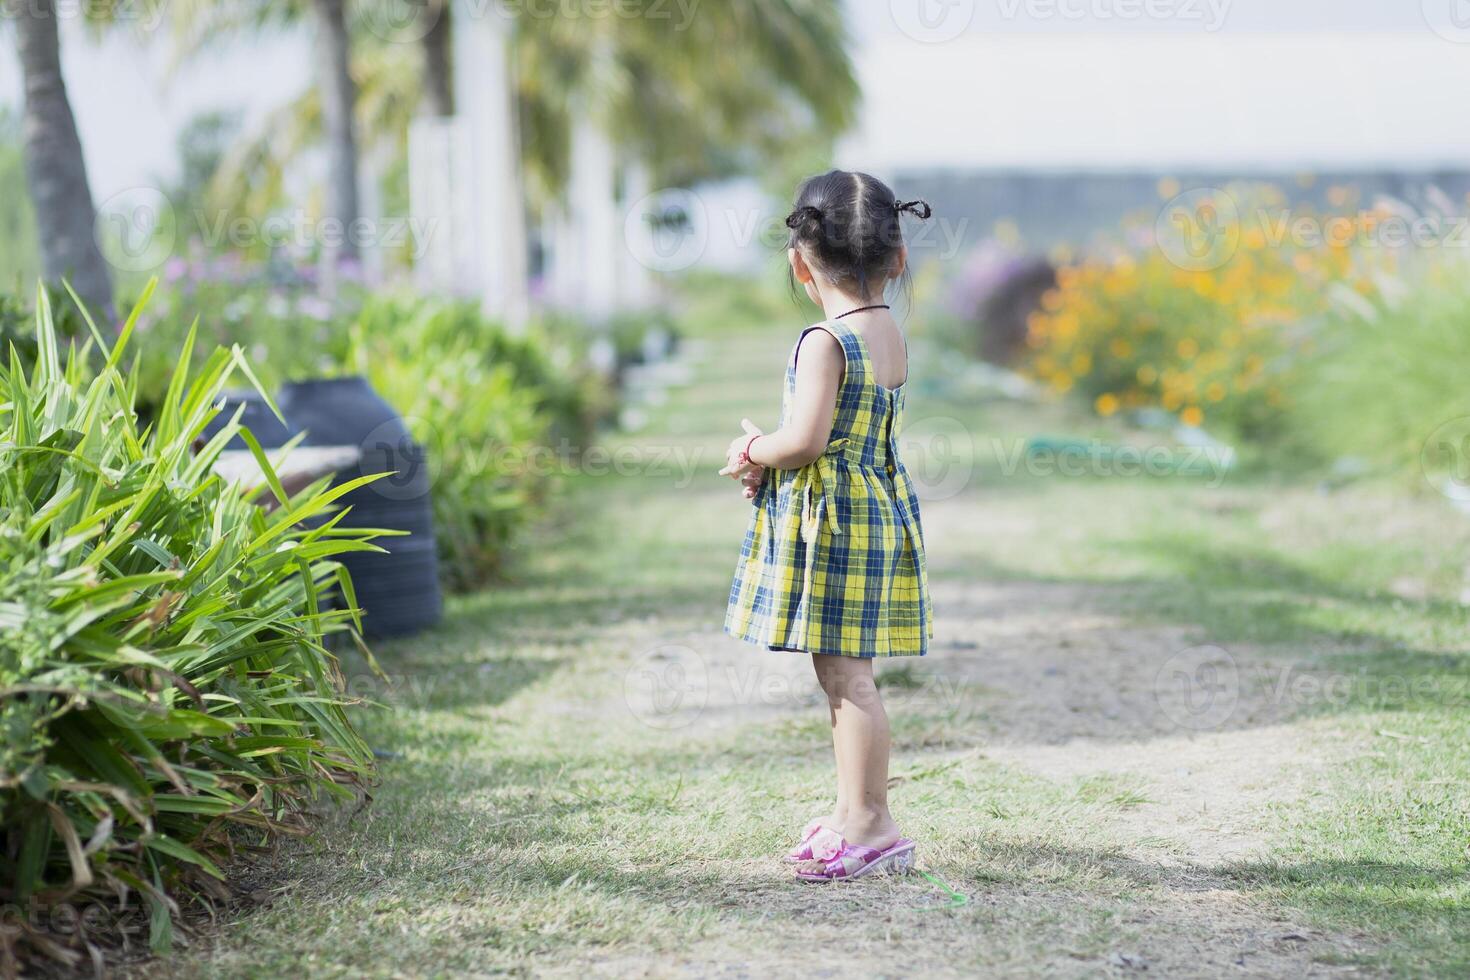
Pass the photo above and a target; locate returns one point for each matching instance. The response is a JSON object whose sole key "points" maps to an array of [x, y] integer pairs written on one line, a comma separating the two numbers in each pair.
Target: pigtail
{"points": [[919, 209]]}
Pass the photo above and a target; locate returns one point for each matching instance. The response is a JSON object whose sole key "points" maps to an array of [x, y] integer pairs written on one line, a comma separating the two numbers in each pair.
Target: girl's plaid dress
{"points": [[833, 561]]}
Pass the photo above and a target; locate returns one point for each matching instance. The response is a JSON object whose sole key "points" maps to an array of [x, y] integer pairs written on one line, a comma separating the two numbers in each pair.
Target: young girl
{"points": [[833, 561]]}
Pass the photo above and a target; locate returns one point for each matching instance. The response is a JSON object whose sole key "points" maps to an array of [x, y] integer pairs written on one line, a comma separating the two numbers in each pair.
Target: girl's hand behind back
{"points": [[752, 481], [737, 464]]}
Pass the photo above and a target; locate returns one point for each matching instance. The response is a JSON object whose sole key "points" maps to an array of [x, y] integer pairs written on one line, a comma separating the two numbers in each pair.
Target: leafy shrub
{"points": [[994, 294], [1217, 346], [1388, 372], [288, 332], [164, 677], [548, 359], [485, 432], [478, 397]]}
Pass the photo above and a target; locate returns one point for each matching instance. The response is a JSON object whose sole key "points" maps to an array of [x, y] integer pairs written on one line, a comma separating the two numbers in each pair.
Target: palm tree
{"points": [[198, 23], [56, 172], [739, 85]]}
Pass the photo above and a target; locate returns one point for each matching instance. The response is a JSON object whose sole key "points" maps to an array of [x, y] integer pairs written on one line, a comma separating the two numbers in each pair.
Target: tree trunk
{"points": [[56, 173], [339, 100], [438, 81]]}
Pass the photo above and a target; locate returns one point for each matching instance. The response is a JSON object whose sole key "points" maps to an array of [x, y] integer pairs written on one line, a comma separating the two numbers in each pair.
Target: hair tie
{"points": [[919, 209], [802, 215]]}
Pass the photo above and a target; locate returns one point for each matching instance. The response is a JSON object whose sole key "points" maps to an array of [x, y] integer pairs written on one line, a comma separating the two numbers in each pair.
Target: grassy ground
{"points": [[1199, 730]]}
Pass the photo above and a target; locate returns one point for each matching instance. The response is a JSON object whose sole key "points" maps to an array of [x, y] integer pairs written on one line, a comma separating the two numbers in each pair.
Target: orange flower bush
{"points": [[1210, 338]]}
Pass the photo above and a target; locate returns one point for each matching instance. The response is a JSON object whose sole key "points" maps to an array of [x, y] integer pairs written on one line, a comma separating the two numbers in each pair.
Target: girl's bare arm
{"points": [[819, 368]]}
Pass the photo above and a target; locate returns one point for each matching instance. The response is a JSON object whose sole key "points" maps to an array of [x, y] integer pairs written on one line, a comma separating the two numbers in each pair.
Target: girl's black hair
{"points": [[847, 225]]}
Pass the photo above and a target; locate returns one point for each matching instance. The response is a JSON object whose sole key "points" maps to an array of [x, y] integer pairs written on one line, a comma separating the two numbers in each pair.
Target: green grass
{"points": [[533, 823]]}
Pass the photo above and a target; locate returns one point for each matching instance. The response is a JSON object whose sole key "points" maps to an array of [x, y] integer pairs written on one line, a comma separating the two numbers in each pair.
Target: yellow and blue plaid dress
{"points": [[833, 560]]}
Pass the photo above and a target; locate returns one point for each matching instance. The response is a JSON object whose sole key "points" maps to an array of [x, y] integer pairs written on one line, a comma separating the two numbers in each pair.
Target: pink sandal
{"points": [[856, 861], [814, 836]]}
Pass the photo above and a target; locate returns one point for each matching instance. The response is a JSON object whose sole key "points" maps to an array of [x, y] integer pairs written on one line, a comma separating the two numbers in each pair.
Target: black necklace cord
{"points": [[863, 309]]}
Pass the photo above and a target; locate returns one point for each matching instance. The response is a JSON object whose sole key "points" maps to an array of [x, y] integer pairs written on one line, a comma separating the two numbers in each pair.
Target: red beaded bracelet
{"points": [[745, 456]]}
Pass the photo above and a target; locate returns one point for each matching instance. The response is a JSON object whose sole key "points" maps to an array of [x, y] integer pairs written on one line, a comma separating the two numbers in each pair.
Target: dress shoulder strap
{"points": [[852, 349]]}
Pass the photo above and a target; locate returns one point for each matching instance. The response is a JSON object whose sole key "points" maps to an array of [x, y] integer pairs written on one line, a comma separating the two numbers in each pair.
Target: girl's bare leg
{"points": [[835, 819], [861, 738]]}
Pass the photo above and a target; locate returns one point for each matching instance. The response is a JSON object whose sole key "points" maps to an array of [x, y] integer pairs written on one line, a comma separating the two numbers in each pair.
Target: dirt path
{"points": [[1052, 686], [1051, 682]]}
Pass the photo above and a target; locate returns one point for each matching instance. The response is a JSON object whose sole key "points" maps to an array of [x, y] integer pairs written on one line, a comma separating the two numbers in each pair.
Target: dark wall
{"points": [[1053, 207]]}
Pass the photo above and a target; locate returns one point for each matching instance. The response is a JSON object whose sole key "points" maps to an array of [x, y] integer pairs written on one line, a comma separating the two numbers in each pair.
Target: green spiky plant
{"points": [[166, 693], [481, 403]]}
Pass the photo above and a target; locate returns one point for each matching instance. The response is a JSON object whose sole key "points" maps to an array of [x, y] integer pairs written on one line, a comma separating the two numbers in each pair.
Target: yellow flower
{"points": [[1120, 348], [1106, 404], [1188, 347], [1215, 391], [1192, 416], [1147, 374]]}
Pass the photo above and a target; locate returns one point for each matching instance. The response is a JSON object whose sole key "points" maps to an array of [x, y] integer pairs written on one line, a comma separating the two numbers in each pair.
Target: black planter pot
{"points": [[399, 590], [340, 412], [268, 430]]}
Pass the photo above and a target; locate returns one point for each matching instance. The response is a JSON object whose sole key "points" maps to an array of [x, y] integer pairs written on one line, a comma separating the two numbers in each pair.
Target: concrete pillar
{"points": [[595, 236], [491, 195], [635, 280]]}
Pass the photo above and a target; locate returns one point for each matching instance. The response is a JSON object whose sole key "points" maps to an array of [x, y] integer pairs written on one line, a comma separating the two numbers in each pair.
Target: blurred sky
{"points": [[1245, 84]]}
